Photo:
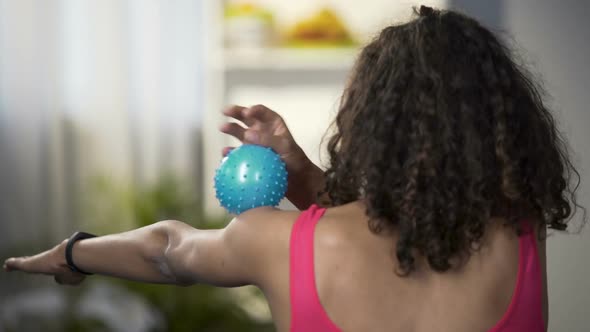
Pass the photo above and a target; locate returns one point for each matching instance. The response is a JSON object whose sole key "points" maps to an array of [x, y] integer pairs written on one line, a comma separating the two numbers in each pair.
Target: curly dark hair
{"points": [[439, 131]]}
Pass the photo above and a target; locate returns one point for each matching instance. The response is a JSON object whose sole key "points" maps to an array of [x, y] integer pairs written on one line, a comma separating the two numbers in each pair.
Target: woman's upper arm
{"points": [[236, 255]]}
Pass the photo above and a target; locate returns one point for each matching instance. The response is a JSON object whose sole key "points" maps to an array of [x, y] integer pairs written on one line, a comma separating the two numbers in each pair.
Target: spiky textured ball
{"points": [[250, 176]]}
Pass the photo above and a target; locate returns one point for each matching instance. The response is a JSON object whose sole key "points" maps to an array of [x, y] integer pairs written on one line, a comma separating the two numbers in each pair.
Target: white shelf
{"points": [[281, 59]]}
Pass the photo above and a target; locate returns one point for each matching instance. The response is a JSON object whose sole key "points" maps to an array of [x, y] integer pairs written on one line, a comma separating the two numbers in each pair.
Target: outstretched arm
{"points": [[169, 252]]}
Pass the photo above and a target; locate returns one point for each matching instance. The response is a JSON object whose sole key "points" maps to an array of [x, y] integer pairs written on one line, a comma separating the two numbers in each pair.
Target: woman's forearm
{"points": [[170, 252], [135, 255], [303, 188]]}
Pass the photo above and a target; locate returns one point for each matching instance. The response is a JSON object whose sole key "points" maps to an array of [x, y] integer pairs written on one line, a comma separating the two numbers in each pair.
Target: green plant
{"points": [[200, 307]]}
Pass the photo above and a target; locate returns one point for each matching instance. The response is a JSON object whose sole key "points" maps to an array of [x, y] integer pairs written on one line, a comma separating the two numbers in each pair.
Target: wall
{"points": [[557, 38], [93, 88], [363, 17], [27, 104], [553, 38]]}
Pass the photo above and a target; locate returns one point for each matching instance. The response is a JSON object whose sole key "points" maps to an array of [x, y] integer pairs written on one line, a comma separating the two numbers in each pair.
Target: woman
{"points": [[445, 171]]}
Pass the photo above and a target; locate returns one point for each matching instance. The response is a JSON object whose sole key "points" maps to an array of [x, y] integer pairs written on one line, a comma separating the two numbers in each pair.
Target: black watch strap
{"points": [[75, 237]]}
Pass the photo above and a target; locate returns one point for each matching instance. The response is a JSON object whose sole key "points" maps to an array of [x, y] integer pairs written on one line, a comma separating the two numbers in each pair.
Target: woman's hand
{"points": [[267, 128], [51, 262]]}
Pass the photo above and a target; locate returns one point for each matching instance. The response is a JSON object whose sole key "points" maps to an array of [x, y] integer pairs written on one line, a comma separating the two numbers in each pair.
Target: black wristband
{"points": [[75, 237]]}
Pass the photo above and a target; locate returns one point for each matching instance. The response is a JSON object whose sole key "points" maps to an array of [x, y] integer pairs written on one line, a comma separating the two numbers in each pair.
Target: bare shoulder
{"points": [[260, 237], [264, 224]]}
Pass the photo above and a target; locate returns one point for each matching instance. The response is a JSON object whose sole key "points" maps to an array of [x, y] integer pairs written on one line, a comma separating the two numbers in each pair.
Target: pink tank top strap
{"points": [[525, 312], [307, 313]]}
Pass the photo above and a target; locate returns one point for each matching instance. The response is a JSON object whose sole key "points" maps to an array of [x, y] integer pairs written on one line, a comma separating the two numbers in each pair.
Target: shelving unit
{"points": [[301, 83], [289, 59]]}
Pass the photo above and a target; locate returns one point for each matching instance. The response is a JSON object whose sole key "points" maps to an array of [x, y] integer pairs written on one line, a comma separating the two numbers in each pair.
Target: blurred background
{"points": [[109, 112]]}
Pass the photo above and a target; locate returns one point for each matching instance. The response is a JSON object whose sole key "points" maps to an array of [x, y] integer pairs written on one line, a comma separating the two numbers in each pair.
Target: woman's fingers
{"points": [[248, 136], [58, 279], [251, 136], [279, 144], [50, 262], [261, 113], [265, 127], [226, 150], [250, 115], [40, 263], [233, 129], [69, 278], [234, 111], [7, 265], [239, 113], [25, 264]]}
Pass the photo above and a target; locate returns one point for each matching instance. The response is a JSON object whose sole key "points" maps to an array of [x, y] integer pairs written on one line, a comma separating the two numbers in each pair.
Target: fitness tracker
{"points": [[76, 237]]}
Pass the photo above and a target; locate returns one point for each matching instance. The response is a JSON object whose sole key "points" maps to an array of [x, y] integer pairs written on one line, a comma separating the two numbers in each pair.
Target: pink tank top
{"points": [[524, 313]]}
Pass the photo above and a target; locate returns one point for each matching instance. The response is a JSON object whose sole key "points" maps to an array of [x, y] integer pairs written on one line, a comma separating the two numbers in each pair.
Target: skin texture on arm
{"points": [[173, 252], [240, 254], [130, 255], [133, 255]]}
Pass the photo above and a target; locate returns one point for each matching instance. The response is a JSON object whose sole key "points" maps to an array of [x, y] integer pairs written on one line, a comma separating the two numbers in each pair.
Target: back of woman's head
{"points": [[439, 131]]}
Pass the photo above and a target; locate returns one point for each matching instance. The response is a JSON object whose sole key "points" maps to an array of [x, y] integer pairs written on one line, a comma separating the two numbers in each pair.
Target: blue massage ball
{"points": [[250, 176]]}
